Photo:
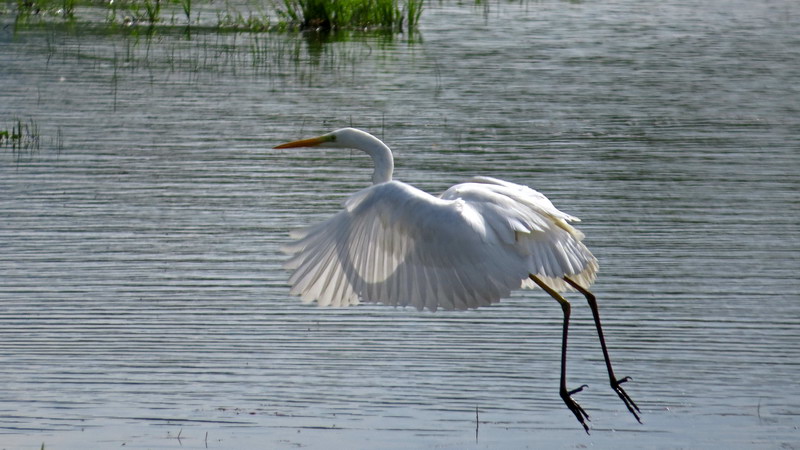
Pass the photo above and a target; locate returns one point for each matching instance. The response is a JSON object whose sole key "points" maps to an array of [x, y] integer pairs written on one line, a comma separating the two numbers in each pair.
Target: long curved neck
{"points": [[381, 156]]}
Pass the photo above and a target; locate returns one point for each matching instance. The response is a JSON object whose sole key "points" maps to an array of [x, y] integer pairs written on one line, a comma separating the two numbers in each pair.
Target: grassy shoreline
{"points": [[260, 16]]}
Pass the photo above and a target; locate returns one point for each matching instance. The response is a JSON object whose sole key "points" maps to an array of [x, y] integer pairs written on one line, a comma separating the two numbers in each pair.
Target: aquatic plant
{"points": [[234, 20], [268, 15], [63, 8], [153, 10], [332, 14], [132, 12], [413, 13], [21, 136], [187, 9]]}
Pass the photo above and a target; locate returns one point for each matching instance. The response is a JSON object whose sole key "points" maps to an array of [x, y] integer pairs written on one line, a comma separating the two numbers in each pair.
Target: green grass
{"points": [[232, 19], [53, 8], [393, 15], [269, 15]]}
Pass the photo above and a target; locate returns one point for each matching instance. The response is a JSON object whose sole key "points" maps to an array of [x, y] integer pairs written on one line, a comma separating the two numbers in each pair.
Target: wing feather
{"points": [[397, 245], [543, 233]]}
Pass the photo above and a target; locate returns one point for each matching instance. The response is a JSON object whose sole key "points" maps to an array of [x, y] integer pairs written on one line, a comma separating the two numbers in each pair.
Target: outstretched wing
{"points": [[397, 245], [552, 248]]}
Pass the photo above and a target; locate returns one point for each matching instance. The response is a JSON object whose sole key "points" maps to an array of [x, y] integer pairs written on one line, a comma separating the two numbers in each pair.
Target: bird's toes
{"points": [[629, 403], [576, 409], [575, 391], [623, 380]]}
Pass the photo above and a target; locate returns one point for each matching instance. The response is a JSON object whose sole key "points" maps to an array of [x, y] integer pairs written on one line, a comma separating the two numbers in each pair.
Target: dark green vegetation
{"points": [[330, 14], [264, 15], [21, 136]]}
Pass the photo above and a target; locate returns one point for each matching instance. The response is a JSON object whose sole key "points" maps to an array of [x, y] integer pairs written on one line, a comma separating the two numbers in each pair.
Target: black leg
{"points": [[566, 395], [615, 382]]}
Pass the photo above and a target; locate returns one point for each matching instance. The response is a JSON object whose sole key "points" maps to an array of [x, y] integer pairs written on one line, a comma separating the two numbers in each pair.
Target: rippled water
{"points": [[143, 300]]}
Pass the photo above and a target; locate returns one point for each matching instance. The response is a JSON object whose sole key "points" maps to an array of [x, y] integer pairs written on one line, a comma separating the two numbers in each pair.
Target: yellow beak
{"points": [[310, 142]]}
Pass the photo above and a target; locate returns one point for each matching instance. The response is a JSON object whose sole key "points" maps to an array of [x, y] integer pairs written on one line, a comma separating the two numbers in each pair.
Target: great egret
{"points": [[397, 245]]}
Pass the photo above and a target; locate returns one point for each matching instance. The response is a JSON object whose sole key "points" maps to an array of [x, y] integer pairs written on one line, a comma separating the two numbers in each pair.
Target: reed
{"points": [[152, 10], [186, 5], [393, 15], [46, 8], [234, 20], [22, 136], [269, 15]]}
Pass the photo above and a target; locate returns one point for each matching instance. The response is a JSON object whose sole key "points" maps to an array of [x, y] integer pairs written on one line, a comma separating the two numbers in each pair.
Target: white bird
{"points": [[397, 245]]}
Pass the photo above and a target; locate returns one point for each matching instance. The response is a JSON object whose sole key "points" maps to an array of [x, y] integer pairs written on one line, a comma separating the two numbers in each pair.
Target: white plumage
{"points": [[470, 247], [397, 245]]}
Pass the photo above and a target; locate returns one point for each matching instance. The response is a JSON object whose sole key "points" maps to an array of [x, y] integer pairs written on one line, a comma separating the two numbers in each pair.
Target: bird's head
{"points": [[357, 139], [341, 138]]}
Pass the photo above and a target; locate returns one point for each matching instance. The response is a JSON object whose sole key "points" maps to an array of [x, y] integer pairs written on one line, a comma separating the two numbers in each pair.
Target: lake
{"points": [[143, 209]]}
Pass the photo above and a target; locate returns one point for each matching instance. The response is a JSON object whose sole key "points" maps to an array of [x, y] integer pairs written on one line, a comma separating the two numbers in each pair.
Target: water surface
{"points": [[143, 300]]}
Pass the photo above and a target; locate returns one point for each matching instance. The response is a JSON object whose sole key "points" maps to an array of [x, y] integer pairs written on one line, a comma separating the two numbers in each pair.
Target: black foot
{"points": [[629, 403], [573, 406]]}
